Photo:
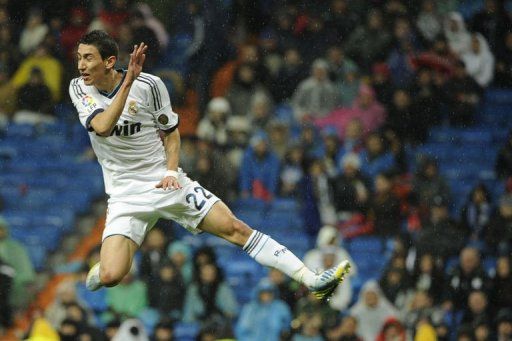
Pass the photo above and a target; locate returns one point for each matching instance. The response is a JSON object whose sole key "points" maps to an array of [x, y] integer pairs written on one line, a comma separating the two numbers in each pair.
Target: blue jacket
{"points": [[378, 165], [265, 170], [260, 321]]}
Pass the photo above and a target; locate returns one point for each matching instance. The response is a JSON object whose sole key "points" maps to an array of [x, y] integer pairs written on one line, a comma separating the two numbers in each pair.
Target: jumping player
{"points": [[124, 111]]}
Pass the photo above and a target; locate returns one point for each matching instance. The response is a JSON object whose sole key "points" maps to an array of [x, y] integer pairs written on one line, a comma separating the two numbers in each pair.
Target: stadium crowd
{"points": [[323, 102]]}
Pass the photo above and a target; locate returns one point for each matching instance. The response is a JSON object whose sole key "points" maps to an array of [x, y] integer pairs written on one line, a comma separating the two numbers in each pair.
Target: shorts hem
{"points": [[120, 234], [193, 228]]}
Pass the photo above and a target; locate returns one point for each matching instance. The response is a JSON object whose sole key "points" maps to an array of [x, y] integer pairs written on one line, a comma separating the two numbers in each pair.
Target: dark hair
{"points": [[106, 45]]}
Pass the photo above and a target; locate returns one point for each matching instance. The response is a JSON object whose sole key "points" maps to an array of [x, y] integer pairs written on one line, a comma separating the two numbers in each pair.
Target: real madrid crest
{"points": [[163, 119], [132, 107]]}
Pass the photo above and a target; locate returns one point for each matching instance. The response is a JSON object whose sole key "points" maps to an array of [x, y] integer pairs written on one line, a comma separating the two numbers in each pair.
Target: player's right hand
{"points": [[169, 182], [137, 58]]}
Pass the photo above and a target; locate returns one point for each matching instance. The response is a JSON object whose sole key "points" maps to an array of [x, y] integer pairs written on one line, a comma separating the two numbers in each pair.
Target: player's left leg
{"points": [[221, 222]]}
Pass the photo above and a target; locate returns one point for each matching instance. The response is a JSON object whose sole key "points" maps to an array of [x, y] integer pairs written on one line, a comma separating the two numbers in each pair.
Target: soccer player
{"points": [[124, 112]]}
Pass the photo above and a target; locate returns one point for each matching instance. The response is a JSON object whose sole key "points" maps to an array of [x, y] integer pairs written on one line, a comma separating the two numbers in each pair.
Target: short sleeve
{"points": [[87, 105], [160, 104]]}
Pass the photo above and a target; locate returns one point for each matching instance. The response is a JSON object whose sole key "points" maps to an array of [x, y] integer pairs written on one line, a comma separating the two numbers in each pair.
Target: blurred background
{"points": [[374, 130]]}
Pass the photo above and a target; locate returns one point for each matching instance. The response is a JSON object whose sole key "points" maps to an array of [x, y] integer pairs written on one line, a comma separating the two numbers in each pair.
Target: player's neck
{"points": [[110, 81]]}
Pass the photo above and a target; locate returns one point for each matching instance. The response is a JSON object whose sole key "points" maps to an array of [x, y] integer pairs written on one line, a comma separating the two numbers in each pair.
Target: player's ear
{"points": [[110, 62]]}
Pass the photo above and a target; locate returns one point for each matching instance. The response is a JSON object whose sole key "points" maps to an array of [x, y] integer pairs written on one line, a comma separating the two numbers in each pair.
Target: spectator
{"points": [[203, 256], [375, 158], [479, 60], [292, 172], [492, 22], [265, 317], [7, 274], [35, 103], [315, 96], [501, 296], [316, 185], [271, 57], [428, 276], [209, 298], [369, 42], [429, 184], [392, 330], [166, 292], [503, 166], [314, 38], [260, 111], [425, 102], [396, 287], [164, 331], [73, 31], [289, 290], [129, 298], [153, 254], [238, 129], [291, 73], [440, 235], [352, 141], [310, 330], [339, 64], [223, 78], [210, 177], [181, 257], [503, 75], [111, 17], [259, 174], [409, 123], [384, 210], [309, 306], [346, 330], [245, 87], [468, 276], [477, 308], [498, 233], [504, 324], [141, 32], [458, 37], [66, 296], [476, 212], [429, 20], [34, 32], [24, 270], [213, 126], [279, 137], [381, 83], [49, 66], [341, 20], [365, 108], [154, 24], [401, 56], [350, 188], [420, 308], [371, 310], [68, 330], [348, 85]]}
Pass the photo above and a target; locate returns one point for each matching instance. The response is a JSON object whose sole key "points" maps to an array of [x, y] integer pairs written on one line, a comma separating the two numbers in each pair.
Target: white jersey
{"points": [[132, 158]]}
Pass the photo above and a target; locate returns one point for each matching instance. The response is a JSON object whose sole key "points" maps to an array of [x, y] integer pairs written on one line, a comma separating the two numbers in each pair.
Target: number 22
{"points": [[198, 204]]}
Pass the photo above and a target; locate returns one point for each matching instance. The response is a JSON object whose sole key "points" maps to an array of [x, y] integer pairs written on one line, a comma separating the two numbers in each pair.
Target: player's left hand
{"points": [[169, 182]]}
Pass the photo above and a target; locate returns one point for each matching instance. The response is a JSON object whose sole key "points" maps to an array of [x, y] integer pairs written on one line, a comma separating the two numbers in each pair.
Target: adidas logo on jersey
{"points": [[126, 129]]}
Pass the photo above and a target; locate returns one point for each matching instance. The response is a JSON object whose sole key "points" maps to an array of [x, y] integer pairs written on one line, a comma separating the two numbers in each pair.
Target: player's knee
{"points": [[238, 231], [109, 277]]}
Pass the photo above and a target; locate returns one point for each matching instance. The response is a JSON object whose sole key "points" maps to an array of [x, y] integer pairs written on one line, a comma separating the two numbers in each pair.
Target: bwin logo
{"points": [[126, 129]]}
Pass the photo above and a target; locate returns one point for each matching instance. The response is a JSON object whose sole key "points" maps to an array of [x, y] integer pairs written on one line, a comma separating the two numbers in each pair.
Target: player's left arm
{"points": [[172, 143]]}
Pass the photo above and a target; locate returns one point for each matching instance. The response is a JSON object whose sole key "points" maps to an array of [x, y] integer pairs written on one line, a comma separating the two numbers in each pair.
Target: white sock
{"points": [[268, 252]]}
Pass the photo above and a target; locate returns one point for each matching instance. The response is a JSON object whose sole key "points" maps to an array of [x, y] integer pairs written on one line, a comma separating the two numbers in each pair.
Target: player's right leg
{"points": [[116, 257]]}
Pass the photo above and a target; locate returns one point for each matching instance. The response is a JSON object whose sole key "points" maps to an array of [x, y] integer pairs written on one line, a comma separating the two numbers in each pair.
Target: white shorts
{"points": [[133, 216]]}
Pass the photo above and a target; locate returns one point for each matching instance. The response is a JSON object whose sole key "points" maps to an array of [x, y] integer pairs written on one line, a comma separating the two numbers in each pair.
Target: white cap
{"points": [[219, 104]]}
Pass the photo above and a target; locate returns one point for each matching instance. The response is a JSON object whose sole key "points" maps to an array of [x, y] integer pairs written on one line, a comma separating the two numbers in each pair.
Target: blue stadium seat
{"points": [[96, 300], [366, 244], [19, 130], [498, 96]]}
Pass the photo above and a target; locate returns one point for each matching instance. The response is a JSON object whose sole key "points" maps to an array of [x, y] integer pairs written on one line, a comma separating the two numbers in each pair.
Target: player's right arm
{"points": [[104, 122]]}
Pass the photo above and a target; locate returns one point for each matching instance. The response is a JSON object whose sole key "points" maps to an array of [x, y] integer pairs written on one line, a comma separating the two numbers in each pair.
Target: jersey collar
{"points": [[116, 89]]}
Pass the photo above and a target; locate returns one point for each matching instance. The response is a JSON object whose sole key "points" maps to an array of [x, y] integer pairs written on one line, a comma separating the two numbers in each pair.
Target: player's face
{"points": [[90, 64]]}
